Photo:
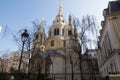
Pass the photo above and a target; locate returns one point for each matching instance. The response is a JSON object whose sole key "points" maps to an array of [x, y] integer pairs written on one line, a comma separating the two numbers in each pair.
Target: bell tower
{"points": [[39, 36], [57, 28]]}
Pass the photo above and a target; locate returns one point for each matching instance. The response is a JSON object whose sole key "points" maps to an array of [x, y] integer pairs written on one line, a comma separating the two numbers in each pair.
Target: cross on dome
{"points": [[60, 7], [60, 1]]}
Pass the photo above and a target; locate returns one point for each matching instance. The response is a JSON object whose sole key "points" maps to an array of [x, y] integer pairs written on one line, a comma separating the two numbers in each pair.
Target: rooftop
{"points": [[114, 6]]}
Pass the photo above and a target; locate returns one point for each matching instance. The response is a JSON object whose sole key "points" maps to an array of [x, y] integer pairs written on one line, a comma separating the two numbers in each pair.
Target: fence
{"points": [[75, 76], [68, 76]]}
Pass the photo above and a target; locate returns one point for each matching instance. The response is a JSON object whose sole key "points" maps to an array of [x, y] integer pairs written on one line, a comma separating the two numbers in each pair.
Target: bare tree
{"points": [[28, 44], [4, 61], [87, 32]]}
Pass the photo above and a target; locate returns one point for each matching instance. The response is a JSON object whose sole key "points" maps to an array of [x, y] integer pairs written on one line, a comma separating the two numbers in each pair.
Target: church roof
{"points": [[59, 18], [86, 56], [41, 26], [89, 54], [114, 6], [92, 50]]}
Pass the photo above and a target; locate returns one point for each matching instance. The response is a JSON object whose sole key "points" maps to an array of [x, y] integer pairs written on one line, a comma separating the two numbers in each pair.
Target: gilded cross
{"points": [[60, 2]]}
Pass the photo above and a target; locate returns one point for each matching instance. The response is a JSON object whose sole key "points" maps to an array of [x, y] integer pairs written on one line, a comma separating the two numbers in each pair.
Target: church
{"points": [[62, 45]]}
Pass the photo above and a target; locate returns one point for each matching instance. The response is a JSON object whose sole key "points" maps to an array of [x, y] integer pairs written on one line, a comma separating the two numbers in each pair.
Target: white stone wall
{"points": [[108, 58], [58, 65], [111, 66]]}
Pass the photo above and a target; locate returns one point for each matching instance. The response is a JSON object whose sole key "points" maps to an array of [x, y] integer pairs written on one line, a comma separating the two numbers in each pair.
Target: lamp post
{"points": [[24, 38], [29, 62]]}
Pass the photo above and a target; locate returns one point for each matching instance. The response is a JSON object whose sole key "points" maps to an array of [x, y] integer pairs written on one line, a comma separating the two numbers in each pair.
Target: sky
{"points": [[17, 14]]}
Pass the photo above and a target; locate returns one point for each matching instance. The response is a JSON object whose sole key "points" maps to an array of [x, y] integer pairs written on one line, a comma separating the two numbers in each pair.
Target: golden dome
{"points": [[42, 47]]}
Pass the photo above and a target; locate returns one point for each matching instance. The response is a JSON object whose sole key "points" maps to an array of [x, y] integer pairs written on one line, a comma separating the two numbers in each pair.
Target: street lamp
{"points": [[24, 38]]}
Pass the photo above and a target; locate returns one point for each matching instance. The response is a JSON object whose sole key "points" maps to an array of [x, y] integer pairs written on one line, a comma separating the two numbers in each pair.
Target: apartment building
{"points": [[109, 40]]}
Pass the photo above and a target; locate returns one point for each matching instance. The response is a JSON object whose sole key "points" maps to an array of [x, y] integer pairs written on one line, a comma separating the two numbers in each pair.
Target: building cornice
{"points": [[113, 14], [102, 31]]}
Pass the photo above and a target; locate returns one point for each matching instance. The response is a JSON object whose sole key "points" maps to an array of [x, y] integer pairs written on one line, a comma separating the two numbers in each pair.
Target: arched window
{"points": [[41, 38], [69, 32], [64, 43], [63, 32], [36, 37], [63, 21], [56, 31], [44, 37], [52, 43], [50, 33]]}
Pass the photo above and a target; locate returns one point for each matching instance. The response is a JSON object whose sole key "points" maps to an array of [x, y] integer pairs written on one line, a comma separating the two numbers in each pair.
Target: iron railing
{"points": [[60, 76]]}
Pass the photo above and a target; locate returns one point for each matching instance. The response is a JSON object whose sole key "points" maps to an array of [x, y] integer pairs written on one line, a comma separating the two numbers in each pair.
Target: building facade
{"points": [[62, 44], [11, 64], [89, 65], [109, 40]]}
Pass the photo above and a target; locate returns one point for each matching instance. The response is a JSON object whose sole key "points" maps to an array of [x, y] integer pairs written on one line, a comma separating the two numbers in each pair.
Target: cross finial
{"points": [[60, 7], [70, 12], [60, 1], [42, 19]]}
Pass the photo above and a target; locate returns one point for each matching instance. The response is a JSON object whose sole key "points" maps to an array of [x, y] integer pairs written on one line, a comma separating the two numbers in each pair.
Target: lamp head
{"points": [[24, 35]]}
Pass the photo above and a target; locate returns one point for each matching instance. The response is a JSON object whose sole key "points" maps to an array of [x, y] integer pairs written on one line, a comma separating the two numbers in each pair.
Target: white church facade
{"points": [[61, 45]]}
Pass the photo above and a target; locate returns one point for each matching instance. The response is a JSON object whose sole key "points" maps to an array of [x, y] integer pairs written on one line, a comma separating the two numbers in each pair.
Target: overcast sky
{"points": [[17, 14]]}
